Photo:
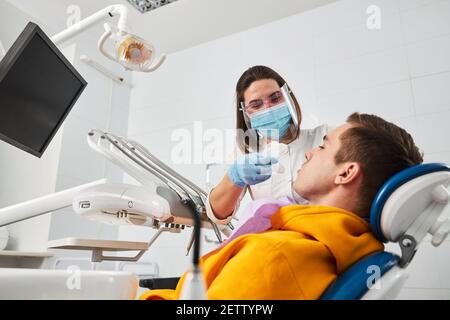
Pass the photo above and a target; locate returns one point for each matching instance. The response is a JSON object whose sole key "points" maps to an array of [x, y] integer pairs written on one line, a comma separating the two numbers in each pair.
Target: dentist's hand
{"points": [[251, 169]]}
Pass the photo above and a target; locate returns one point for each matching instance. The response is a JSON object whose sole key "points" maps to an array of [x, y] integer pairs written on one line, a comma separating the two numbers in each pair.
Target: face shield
{"points": [[271, 116]]}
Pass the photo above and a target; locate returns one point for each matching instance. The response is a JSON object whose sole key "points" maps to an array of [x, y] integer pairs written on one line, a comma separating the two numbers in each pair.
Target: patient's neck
{"points": [[336, 198]]}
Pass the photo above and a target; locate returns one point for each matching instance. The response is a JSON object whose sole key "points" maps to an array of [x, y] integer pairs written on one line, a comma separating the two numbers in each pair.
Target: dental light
{"points": [[130, 51]]}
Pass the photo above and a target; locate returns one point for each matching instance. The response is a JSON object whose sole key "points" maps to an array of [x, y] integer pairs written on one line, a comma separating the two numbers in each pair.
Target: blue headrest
{"points": [[352, 284], [393, 184]]}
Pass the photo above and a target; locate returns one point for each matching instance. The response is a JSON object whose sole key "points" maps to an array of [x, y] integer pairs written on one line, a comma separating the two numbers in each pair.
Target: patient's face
{"points": [[317, 175]]}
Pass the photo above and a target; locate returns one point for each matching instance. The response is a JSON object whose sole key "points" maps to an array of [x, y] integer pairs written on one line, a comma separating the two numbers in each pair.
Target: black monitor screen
{"points": [[38, 88]]}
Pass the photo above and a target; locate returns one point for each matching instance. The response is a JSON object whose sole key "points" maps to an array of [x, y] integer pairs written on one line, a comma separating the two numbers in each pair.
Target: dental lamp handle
{"points": [[92, 20], [101, 44], [156, 65]]}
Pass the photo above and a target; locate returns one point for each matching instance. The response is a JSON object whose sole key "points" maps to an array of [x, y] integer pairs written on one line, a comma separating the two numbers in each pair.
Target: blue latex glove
{"points": [[251, 169]]}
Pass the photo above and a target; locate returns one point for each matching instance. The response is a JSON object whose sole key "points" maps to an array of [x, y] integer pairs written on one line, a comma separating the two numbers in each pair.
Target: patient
{"points": [[291, 251]]}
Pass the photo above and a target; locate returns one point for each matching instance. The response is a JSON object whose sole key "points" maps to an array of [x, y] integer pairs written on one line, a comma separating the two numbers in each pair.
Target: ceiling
{"points": [[179, 25]]}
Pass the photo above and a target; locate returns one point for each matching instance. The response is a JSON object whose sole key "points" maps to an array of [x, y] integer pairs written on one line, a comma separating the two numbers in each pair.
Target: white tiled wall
{"points": [[335, 65]]}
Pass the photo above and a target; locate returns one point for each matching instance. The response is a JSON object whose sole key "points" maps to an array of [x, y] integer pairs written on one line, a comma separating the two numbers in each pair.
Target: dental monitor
{"points": [[38, 88]]}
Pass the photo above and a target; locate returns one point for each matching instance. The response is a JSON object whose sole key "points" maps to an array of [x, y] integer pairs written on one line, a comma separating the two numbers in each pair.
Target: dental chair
{"points": [[404, 211]]}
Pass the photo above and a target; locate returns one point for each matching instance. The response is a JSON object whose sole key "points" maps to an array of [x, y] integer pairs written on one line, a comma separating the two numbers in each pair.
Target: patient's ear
{"points": [[348, 172]]}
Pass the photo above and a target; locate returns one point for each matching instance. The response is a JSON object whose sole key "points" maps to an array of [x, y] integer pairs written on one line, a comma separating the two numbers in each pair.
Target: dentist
{"points": [[268, 112]]}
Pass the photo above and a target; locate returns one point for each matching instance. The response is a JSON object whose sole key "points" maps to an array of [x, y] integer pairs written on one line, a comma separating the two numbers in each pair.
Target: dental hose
{"points": [[196, 213], [194, 287]]}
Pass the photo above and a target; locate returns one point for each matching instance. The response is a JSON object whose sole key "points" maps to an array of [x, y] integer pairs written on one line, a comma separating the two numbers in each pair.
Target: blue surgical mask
{"points": [[275, 118]]}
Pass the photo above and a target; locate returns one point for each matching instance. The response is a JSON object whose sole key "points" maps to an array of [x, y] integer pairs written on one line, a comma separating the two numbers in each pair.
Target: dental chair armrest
{"points": [[159, 283]]}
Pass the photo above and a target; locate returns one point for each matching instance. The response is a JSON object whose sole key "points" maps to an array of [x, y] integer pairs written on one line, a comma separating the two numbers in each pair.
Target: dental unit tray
{"points": [[98, 247], [161, 201]]}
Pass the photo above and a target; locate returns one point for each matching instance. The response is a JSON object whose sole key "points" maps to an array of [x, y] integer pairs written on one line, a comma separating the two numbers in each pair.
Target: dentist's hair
{"points": [[381, 148], [245, 81]]}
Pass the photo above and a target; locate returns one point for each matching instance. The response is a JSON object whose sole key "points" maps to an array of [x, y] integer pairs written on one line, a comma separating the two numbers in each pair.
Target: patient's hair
{"points": [[381, 148]]}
